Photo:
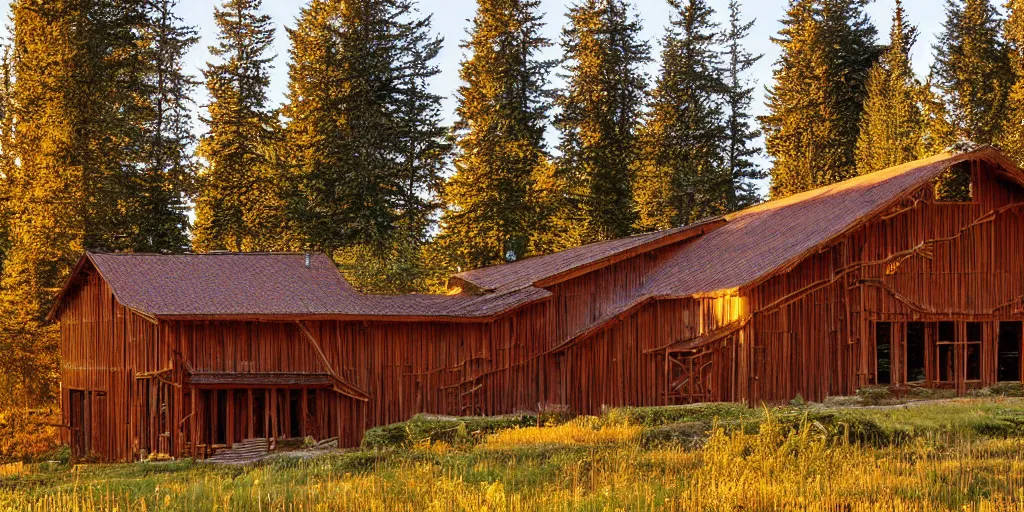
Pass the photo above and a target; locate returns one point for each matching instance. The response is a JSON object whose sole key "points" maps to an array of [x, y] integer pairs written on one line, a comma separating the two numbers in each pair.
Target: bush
{"points": [[28, 435], [1015, 389], [666, 415], [454, 431]]}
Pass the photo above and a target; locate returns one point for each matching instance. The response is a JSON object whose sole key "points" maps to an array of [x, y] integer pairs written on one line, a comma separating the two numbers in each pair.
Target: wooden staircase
{"points": [[244, 452]]}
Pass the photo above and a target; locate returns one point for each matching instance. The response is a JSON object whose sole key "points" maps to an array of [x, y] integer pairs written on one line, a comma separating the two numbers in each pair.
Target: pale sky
{"points": [[451, 18]]}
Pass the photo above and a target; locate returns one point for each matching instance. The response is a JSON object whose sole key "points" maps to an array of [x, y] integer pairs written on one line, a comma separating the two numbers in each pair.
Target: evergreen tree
{"points": [[364, 135], [682, 174], [235, 207], [742, 137], [972, 73], [892, 127], [7, 163], [165, 167], [815, 105], [72, 61], [600, 109], [494, 204], [1012, 140]]}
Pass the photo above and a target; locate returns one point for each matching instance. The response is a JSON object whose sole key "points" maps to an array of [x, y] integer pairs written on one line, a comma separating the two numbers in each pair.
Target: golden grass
{"points": [[586, 464], [12, 469], [582, 431]]}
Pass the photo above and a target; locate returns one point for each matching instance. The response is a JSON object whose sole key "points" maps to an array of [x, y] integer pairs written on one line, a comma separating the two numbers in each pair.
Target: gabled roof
{"points": [[268, 285], [763, 239], [550, 268], [759, 241]]}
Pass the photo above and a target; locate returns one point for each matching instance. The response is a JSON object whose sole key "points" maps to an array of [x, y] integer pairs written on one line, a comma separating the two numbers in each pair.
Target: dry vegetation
{"points": [[963, 455]]}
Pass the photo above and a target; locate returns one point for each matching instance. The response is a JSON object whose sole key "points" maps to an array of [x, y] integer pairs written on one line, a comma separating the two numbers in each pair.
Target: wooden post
{"points": [[214, 417], [266, 414], [193, 434], [273, 413]]}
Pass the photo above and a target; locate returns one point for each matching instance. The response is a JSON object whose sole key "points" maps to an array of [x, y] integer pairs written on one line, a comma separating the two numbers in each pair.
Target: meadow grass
{"points": [[963, 455]]}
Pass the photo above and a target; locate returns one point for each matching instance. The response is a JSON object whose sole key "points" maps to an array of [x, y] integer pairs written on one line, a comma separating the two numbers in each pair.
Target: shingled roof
{"points": [[549, 267], [269, 285], [723, 254], [757, 242]]}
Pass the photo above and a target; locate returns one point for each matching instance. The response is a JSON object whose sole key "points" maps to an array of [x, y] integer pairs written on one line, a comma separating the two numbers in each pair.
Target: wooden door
{"points": [[77, 423]]}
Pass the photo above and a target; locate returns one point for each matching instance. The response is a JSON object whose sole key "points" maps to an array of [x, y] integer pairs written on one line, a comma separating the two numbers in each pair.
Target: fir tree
{"points": [[892, 127], [165, 172], [364, 136], [972, 73], [682, 174], [741, 148], [815, 105], [7, 162], [494, 205], [1012, 140], [235, 208], [600, 110], [72, 61]]}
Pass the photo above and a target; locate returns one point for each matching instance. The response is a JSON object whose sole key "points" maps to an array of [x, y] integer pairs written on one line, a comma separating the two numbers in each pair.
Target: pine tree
{"points": [[972, 72], [742, 138], [682, 174], [235, 207], [815, 105], [892, 127], [165, 168], [1012, 140], [364, 136], [599, 114], [494, 205], [7, 162], [71, 61]]}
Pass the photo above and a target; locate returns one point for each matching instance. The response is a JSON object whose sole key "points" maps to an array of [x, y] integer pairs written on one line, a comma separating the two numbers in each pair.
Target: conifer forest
{"points": [[110, 142]]}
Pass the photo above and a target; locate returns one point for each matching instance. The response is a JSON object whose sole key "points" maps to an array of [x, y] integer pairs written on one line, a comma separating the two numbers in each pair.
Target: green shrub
{"points": [[462, 431], [1015, 389]]}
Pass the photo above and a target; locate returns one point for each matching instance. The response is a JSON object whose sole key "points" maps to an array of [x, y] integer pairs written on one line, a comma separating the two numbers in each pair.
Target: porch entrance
{"points": [[222, 417]]}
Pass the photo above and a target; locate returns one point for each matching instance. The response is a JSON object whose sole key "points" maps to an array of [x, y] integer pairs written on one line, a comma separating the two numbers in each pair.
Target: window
{"points": [[974, 350], [1009, 351], [945, 351], [883, 352], [955, 184], [915, 351]]}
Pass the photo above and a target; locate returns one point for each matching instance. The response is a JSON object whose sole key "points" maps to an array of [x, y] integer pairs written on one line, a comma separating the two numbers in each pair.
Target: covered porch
{"points": [[224, 409]]}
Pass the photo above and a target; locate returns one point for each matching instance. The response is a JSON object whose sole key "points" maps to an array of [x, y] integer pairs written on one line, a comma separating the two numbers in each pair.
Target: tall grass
{"points": [[586, 464]]}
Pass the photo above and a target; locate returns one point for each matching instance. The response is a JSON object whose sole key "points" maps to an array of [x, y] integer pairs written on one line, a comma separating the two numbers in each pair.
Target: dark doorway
{"points": [[259, 413], [295, 412], [311, 415], [915, 351], [76, 409], [221, 434], [974, 336], [883, 352], [1009, 351]]}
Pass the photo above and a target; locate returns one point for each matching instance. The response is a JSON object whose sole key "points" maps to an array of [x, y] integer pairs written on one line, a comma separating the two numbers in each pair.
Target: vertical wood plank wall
{"points": [[806, 330]]}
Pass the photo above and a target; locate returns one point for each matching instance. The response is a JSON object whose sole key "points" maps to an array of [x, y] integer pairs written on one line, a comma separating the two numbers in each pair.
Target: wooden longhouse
{"points": [[875, 280]]}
